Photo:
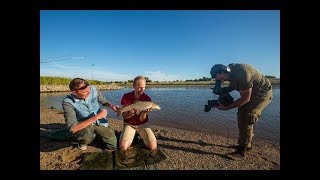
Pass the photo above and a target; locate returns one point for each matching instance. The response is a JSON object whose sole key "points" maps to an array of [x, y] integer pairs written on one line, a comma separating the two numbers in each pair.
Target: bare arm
{"points": [[245, 98], [112, 107], [228, 89], [105, 102], [83, 124], [144, 114]]}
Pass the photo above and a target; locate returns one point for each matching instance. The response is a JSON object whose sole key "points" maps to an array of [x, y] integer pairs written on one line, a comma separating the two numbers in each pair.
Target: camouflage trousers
{"points": [[86, 136], [248, 115]]}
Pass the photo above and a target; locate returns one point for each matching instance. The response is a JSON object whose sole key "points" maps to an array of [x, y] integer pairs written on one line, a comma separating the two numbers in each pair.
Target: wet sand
{"points": [[187, 149]]}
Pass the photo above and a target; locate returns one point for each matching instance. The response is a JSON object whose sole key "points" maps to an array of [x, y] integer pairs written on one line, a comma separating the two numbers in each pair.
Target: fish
{"points": [[139, 105]]}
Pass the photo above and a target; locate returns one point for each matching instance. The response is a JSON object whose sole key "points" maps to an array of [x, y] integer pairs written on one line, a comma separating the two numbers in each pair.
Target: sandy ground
{"points": [[187, 150]]}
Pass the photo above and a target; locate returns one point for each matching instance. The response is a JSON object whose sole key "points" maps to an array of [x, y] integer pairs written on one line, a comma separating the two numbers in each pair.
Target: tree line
{"points": [[48, 80], [188, 80]]}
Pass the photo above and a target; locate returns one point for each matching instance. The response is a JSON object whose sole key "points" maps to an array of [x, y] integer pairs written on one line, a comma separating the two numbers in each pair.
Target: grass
{"points": [[49, 80]]}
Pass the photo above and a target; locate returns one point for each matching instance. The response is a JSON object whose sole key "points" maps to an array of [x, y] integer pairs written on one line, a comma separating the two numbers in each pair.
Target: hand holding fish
{"points": [[138, 112], [145, 111], [148, 110], [129, 114]]}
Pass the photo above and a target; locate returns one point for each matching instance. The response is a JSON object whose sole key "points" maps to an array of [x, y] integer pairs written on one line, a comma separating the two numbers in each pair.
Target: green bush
{"points": [[48, 80]]}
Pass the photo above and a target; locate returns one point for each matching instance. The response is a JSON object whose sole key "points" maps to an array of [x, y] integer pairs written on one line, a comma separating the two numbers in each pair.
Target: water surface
{"points": [[182, 107]]}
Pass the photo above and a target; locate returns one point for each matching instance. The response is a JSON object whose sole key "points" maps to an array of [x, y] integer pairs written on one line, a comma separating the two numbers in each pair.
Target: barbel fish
{"points": [[140, 106]]}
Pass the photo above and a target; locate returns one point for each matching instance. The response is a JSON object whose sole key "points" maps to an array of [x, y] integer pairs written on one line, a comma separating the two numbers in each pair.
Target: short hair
{"points": [[75, 83], [137, 78]]}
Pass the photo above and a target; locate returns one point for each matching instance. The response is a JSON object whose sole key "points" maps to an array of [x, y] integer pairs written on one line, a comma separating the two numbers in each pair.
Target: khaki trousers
{"points": [[248, 115]]}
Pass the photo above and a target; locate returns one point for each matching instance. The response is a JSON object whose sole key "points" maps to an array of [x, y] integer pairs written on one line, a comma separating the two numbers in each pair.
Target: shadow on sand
{"points": [[198, 151]]}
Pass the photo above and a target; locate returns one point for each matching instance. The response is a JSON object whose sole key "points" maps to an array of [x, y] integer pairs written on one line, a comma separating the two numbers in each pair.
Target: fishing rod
{"points": [[48, 60], [54, 57]]}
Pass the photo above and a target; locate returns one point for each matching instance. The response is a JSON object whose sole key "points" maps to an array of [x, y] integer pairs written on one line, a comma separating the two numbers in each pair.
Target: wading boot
{"points": [[243, 151], [238, 147], [239, 154]]}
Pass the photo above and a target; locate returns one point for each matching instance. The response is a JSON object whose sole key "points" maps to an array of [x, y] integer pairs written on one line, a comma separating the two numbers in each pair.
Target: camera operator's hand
{"points": [[222, 107], [224, 90]]}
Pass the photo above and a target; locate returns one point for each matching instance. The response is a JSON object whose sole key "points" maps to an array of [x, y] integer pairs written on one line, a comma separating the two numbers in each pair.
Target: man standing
{"points": [[83, 115], [256, 93]]}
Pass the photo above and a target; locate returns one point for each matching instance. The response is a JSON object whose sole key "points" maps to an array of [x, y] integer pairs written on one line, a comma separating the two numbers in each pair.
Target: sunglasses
{"points": [[83, 87]]}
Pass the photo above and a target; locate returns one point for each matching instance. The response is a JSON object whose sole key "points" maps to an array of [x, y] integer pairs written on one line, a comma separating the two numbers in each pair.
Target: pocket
{"points": [[94, 103], [257, 104], [253, 118]]}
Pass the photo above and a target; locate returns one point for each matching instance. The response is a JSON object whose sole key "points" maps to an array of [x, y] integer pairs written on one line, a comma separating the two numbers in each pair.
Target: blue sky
{"points": [[164, 45]]}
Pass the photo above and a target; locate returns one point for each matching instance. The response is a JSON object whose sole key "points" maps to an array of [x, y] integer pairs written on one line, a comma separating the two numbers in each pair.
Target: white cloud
{"points": [[161, 76], [68, 71], [73, 71], [65, 67], [109, 76]]}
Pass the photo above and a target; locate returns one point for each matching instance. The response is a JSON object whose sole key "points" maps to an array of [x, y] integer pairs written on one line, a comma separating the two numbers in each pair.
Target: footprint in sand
{"points": [[68, 156]]}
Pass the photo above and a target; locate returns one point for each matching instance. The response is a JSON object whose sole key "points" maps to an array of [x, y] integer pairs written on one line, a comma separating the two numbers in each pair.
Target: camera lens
{"points": [[207, 108]]}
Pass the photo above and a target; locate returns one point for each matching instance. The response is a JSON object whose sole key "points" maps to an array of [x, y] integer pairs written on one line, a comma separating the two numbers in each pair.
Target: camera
{"points": [[211, 103], [225, 99]]}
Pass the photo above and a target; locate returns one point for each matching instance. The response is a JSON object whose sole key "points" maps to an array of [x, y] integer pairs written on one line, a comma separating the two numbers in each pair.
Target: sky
{"points": [[163, 45]]}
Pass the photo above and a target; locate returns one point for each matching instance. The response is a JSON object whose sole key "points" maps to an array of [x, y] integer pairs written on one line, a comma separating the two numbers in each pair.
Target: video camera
{"points": [[224, 97]]}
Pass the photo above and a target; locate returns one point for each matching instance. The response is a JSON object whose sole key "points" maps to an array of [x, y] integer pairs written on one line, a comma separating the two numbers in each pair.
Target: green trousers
{"points": [[248, 115], [86, 136]]}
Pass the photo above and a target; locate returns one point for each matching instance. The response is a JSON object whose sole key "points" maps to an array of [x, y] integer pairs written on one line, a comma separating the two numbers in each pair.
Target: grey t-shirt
{"points": [[243, 76]]}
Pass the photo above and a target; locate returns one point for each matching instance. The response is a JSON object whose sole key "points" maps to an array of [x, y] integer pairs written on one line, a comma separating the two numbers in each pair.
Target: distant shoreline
{"points": [[65, 88]]}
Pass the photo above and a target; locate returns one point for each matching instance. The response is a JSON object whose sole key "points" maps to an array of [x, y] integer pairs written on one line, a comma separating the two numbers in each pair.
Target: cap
{"points": [[218, 68]]}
